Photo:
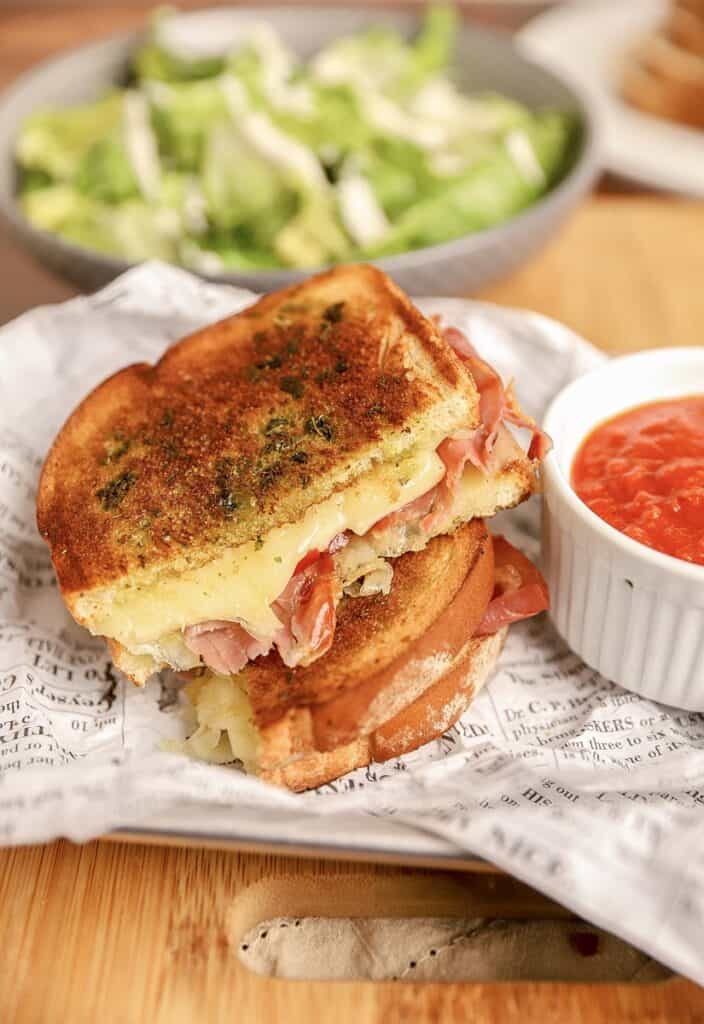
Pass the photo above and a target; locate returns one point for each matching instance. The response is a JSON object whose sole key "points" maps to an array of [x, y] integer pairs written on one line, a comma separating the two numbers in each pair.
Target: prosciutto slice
{"points": [[408, 513], [305, 609], [540, 443], [519, 590], [496, 405], [455, 452], [225, 647]]}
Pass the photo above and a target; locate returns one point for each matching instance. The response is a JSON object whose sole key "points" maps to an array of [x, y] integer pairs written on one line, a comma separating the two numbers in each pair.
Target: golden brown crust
{"points": [[664, 79], [442, 704], [243, 425], [660, 55], [696, 7], [374, 634], [313, 770], [424, 720], [686, 29]]}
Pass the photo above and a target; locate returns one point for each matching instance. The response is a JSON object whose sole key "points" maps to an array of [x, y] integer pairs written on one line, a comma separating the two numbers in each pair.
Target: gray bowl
{"points": [[485, 61]]}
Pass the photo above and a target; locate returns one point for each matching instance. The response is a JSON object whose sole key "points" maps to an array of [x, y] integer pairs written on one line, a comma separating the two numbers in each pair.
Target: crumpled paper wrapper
{"points": [[587, 792]]}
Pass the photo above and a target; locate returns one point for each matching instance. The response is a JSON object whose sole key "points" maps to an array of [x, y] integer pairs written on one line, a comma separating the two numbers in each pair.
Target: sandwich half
{"points": [[402, 670], [224, 506]]}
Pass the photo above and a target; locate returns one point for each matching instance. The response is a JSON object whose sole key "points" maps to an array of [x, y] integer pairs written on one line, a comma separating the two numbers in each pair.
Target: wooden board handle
{"points": [[297, 888], [375, 892]]}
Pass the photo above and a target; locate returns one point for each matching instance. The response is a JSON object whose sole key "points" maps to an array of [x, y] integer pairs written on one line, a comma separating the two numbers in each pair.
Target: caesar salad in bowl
{"points": [[253, 146]]}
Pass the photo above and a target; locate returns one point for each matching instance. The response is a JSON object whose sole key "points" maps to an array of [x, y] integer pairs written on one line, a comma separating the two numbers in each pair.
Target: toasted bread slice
{"points": [[242, 427], [695, 7], [686, 29], [665, 80], [284, 752], [669, 61], [510, 480], [427, 718]]}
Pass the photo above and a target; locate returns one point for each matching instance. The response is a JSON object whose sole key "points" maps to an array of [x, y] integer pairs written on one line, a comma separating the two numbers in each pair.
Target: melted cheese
{"points": [[225, 725], [243, 582]]}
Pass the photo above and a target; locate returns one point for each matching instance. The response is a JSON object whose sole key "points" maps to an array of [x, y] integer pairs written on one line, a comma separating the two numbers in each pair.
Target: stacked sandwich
{"points": [[664, 75], [288, 509]]}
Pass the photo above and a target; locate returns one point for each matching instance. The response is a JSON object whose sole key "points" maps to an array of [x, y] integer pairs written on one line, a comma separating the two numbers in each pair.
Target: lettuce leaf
{"points": [[243, 190], [431, 51], [216, 253], [336, 125], [314, 237], [133, 230], [381, 59], [153, 62], [56, 141], [106, 172], [493, 190], [183, 115]]}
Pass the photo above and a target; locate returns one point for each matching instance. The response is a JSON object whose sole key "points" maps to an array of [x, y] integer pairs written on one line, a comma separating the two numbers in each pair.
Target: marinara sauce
{"points": [[643, 472]]}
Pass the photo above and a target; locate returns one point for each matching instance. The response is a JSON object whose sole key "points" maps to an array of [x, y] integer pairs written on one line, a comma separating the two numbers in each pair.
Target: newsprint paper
{"points": [[587, 792]]}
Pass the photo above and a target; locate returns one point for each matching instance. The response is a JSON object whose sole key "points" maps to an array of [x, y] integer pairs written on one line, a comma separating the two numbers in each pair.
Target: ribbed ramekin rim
{"points": [[553, 474]]}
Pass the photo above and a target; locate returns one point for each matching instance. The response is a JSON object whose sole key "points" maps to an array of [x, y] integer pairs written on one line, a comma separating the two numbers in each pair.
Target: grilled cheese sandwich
{"points": [[203, 509]]}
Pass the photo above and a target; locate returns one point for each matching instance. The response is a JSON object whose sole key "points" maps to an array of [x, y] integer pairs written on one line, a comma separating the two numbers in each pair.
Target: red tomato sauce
{"points": [[643, 472]]}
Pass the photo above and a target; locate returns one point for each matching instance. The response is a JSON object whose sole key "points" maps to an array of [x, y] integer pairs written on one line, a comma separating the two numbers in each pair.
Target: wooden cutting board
{"points": [[113, 932]]}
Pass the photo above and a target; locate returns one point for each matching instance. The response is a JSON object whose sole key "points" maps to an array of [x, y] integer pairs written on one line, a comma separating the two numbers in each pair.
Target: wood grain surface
{"points": [[129, 933], [126, 933]]}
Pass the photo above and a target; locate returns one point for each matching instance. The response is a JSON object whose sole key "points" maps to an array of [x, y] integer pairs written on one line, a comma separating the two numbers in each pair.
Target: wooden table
{"points": [[114, 933]]}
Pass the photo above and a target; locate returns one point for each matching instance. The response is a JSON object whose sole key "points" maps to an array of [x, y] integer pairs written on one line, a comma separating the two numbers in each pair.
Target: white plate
{"points": [[585, 43]]}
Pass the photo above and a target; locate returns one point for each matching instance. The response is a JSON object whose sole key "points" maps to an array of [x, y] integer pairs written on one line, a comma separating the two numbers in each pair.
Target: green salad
{"points": [[254, 158]]}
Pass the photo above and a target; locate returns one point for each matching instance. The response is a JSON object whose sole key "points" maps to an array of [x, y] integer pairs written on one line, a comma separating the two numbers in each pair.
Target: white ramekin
{"points": [[634, 614]]}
